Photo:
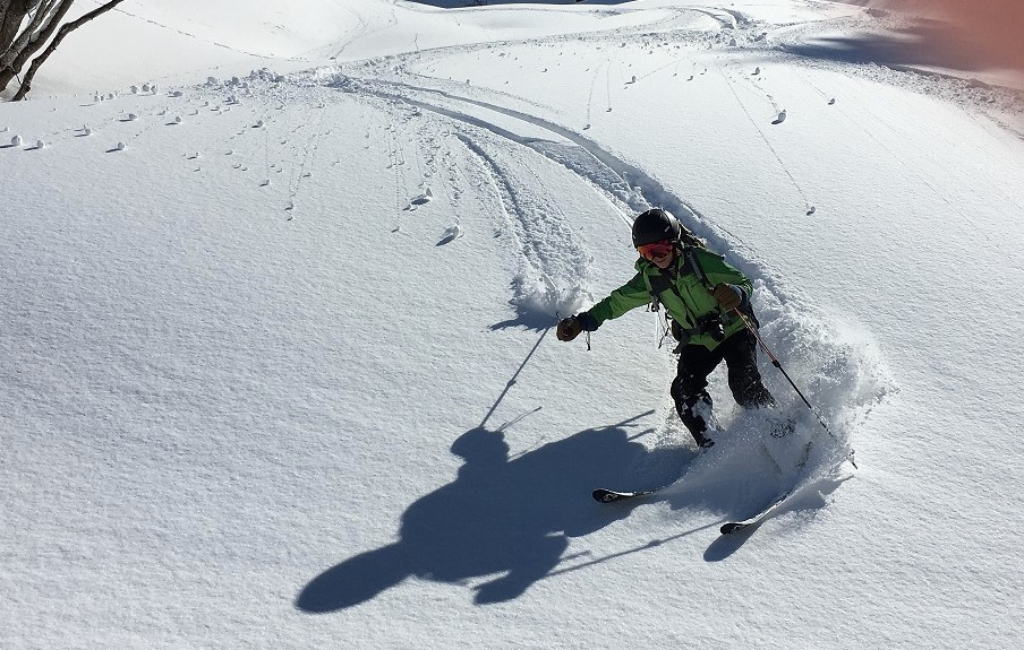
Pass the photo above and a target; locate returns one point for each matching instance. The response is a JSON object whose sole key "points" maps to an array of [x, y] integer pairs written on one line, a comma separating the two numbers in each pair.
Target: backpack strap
{"points": [[657, 284], [691, 259], [694, 264]]}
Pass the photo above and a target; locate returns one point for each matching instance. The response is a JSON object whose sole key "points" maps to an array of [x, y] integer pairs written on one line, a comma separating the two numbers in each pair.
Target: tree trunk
{"points": [[8, 71], [41, 21], [26, 85], [12, 13]]}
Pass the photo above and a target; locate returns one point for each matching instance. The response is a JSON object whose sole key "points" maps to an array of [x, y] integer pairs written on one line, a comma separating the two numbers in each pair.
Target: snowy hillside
{"points": [[278, 361]]}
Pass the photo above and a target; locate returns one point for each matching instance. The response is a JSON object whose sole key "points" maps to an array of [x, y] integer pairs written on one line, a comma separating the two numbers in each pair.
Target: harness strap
{"points": [[666, 282]]}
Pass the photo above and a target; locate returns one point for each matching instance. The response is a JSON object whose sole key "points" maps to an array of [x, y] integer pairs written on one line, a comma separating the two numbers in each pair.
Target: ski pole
{"points": [[778, 364]]}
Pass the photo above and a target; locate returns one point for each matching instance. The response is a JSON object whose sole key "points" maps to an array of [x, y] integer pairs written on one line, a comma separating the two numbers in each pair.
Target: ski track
{"points": [[605, 170], [547, 280]]}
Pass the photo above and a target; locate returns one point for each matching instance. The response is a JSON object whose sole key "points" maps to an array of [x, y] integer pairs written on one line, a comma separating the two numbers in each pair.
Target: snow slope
{"points": [[278, 361]]}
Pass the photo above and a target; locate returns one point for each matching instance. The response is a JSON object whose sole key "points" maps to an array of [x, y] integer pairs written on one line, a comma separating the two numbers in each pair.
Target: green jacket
{"points": [[685, 296]]}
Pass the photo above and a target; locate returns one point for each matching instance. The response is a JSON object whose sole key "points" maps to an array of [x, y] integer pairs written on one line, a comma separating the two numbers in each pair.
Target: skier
{"points": [[701, 294]]}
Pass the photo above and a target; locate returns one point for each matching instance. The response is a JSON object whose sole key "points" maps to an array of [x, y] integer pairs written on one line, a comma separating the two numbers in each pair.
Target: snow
{"points": [[278, 367]]}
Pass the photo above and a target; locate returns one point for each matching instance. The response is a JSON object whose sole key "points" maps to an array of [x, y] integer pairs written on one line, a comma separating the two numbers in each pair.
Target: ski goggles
{"points": [[656, 249]]}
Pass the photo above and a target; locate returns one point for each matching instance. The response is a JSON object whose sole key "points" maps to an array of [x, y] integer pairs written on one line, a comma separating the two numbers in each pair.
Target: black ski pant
{"points": [[696, 362]]}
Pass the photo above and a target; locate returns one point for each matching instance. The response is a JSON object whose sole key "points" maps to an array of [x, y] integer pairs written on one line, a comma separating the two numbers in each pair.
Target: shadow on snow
{"points": [[504, 515], [925, 43]]}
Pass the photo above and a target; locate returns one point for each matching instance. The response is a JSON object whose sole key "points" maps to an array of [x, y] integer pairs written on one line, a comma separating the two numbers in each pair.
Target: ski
{"points": [[732, 527], [778, 505], [602, 495]]}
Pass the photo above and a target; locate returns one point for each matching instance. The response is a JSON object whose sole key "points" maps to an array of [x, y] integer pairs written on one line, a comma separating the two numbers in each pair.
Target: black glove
{"points": [[728, 296], [569, 328]]}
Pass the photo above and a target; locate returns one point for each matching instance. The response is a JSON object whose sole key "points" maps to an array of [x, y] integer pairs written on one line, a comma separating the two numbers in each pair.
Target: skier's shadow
{"points": [[505, 519]]}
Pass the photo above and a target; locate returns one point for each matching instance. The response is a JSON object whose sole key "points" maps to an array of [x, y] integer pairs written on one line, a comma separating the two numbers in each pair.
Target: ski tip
{"points": [[733, 527], [606, 496]]}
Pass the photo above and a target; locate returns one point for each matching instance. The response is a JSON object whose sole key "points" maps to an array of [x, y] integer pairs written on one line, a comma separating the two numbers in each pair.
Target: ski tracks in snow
{"points": [[551, 265]]}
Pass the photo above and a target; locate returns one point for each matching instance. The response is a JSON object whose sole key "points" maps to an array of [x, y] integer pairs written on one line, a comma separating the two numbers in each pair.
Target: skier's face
{"points": [[660, 253]]}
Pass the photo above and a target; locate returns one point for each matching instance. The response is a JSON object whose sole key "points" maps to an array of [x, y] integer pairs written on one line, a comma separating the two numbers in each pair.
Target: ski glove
{"points": [[729, 297], [569, 328]]}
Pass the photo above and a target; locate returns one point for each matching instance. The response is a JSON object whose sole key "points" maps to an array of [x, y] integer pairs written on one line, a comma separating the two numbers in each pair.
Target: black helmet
{"points": [[655, 225]]}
